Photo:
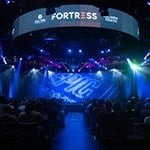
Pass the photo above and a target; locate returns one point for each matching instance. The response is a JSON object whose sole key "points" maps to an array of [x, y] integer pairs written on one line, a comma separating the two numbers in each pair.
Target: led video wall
{"points": [[75, 16], [72, 87]]}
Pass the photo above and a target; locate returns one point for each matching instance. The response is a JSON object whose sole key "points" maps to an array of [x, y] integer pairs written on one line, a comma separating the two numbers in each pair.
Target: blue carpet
{"points": [[75, 135]]}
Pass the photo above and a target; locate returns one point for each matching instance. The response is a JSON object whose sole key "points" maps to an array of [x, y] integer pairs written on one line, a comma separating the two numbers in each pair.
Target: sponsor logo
{"points": [[40, 19], [112, 19], [74, 15]]}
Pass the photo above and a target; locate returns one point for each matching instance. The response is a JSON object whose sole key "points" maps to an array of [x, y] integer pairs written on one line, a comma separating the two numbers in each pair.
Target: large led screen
{"points": [[75, 16]]}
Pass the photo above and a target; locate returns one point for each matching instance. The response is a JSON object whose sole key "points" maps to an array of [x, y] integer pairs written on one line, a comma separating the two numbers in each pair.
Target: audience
{"points": [[104, 118]]}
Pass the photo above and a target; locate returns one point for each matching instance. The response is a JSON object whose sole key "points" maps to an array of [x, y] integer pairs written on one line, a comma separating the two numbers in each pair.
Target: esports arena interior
{"points": [[75, 50], [74, 74]]}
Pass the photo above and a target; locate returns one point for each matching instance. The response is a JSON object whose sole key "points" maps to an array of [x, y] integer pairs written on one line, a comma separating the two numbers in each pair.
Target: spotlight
{"points": [[69, 51], [102, 52], [33, 69], [99, 73], [4, 60], [148, 2], [50, 73], [114, 70], [7, 1], [12, 66], [20, 58], [80, 51], [147, 56], [108, 51], [41, 50], [132, 65]]}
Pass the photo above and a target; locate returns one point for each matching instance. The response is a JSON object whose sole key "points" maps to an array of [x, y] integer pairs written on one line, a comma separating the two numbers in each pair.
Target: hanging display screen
{"points": [[75, 16]]}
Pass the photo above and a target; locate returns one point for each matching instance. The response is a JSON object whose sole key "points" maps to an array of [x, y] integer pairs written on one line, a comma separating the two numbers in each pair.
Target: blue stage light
{"points": [[41, 50], [69, 51], [108, 50], [7, 1], [12, 66], [80, 51], [102, 52]]}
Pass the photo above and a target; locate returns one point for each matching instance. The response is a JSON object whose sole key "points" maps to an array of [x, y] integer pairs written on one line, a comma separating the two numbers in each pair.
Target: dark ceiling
{"points": [[137, 8]]}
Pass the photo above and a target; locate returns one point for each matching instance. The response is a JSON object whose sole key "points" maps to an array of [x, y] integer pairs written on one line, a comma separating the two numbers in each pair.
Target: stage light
{"points": [[102, 52], [114, 70], [99, 73], [80, 51], [12, 66], [34, 70], [104, 67], [69, 51], [132, 65], [7, 1], [41, 50], [50, 73], [29, 57], [147, 56], [20, 58], [4, 60], [148, 2], [108, 51]]}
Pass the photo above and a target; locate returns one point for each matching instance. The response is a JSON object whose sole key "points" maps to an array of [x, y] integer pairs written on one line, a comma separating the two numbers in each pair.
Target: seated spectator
{"points": [[3, 103], [29, 115], [7, 115], [145, 112], [8, 124], [147, 120]]}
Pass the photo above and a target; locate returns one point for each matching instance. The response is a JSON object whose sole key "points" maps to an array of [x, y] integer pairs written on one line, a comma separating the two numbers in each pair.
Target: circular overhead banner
{"points": [[75, 16]]}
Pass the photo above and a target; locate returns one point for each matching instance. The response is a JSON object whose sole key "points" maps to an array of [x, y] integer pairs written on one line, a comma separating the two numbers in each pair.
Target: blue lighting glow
{"points": [[34, 70], [148, 2], [29, 57], [7, 1], [99, 73], [4, 60], [132, 65], [102, 52], [41, 50], [50, 73], [108, 51], [69, 51], [50, 39], [12, 66], [80, 51]]}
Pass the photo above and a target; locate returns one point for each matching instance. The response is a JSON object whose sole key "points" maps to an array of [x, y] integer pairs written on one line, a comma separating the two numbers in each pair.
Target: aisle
{"points": [[75, 135]]}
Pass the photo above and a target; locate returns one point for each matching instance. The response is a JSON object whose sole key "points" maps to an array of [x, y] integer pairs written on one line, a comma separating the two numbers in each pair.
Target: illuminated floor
{"points": [[75, 135]]}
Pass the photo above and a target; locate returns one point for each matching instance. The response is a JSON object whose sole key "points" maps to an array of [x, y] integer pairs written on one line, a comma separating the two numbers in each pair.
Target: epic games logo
{"points": [[74, 15]]}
